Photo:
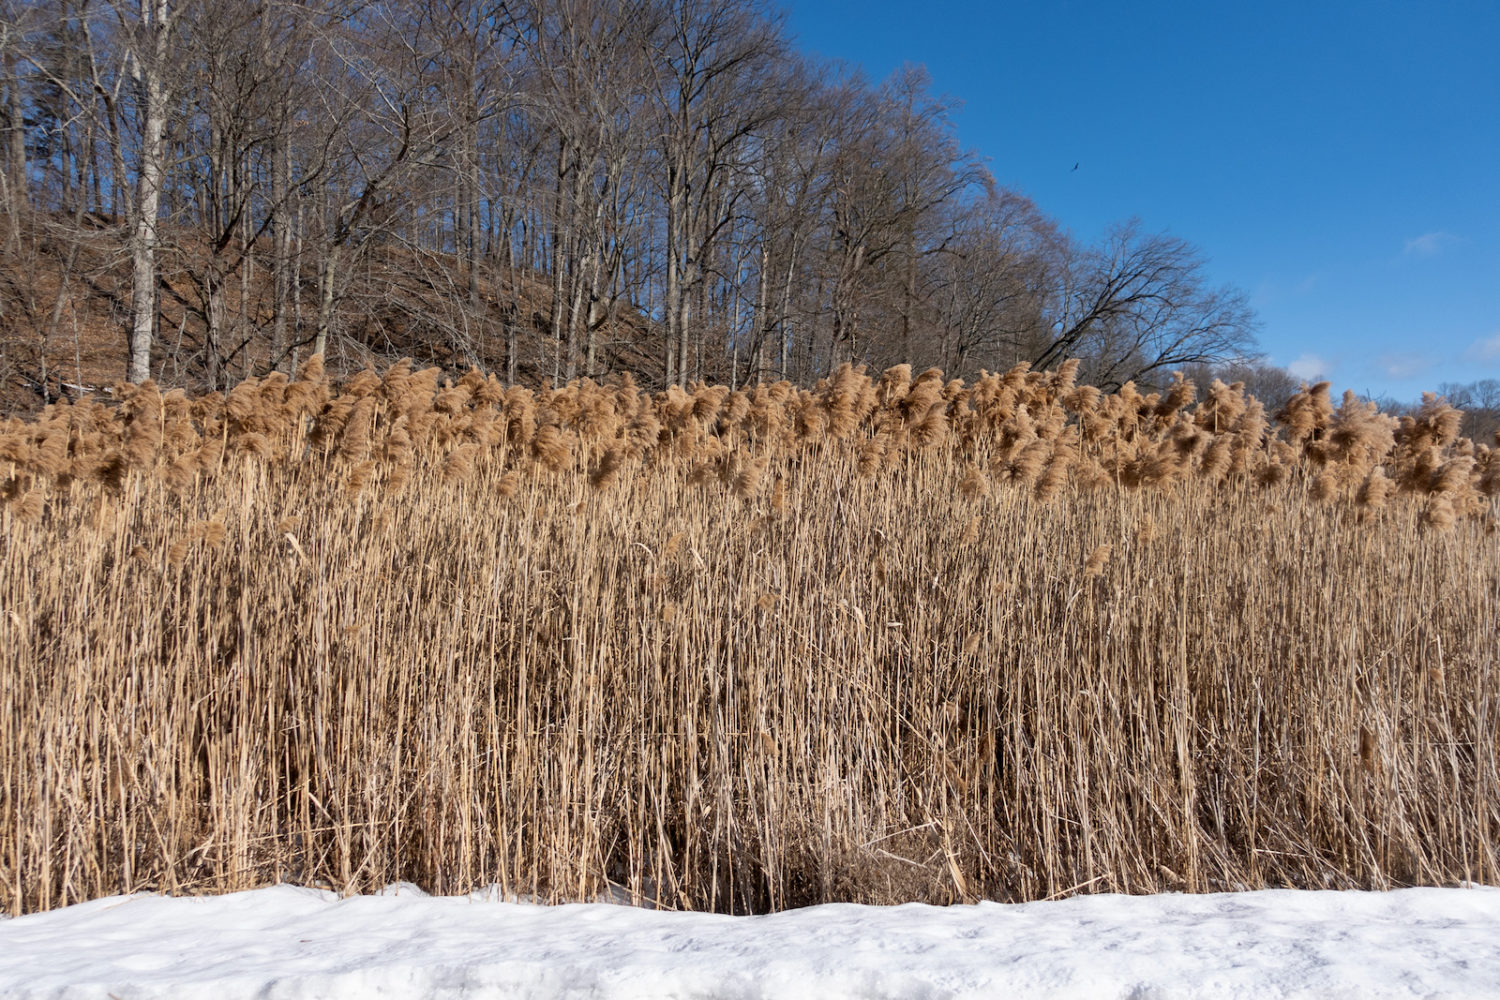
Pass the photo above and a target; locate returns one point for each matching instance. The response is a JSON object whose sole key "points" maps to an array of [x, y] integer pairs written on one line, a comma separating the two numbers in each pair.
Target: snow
{"points": [[286, 942]]}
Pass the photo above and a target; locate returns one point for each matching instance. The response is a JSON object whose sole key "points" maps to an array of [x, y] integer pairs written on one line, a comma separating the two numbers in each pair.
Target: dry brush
{"points": [[890, 638]]}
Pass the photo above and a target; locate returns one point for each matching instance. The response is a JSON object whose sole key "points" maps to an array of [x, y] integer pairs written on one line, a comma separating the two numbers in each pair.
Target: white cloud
{"points": [[1430, 244], [1308, 368], [1485, 349], [1404, 365]]}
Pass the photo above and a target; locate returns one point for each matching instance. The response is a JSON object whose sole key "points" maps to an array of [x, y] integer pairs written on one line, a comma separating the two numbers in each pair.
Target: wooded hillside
{"points": [[197, 192]]}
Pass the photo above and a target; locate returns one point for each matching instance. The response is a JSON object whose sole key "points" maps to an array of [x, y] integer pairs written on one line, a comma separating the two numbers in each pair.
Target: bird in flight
{"points": [[1075, 166]]}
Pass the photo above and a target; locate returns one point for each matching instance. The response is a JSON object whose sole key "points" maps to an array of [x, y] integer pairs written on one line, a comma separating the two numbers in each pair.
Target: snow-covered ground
{"points": [[286, 942]]}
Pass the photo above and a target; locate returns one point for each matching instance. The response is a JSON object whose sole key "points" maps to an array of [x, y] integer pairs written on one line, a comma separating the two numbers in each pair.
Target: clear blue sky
{"points": [[1339, 161]]}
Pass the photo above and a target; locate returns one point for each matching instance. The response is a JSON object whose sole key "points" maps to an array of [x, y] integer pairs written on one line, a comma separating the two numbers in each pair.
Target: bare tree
{"points": [[14, 191], [1480, 401], [148, 33], [787, 197], [592, 74], [896, 178], [994, 289], [558, 188], [1140, 303], [709, 62]]}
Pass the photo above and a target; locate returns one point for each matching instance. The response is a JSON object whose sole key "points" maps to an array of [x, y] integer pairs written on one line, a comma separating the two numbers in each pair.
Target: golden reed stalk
{"points": [[885, 639]]}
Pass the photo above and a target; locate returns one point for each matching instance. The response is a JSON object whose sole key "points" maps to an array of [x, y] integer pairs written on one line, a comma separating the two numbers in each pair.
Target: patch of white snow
{"points": [[285, 943]]}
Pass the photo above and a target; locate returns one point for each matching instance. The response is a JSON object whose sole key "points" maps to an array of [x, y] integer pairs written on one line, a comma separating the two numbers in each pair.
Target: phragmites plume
{"points": [[551, 447], [924, 395], [397, 476], [607, 470], [211, 532], [1223, 407], [872, 454], [1270, 474], [242, 405], [736, 410], [1024, 469], [31, 505], [1062, 381], [1186, 437], [362, 384], [397, 380], [1217, 458], [354, 442], [1145, 530], [13, 447], [312, 370], [1083, 399], [893, 385], [975, 484], [841, 399], [1098, 559], [459, 465], [1325, 486], [703, 473], [932, 429], [747, 482], [1438, 513], [971, 533], [1179, 394], [1453, 477], [113, 470], [142, 411], [453, 399], [209, 455], [1307, 414], [765, 417], [472, 381], [1024, 432], [1374, 491], [707, 401], [255, 444], [1359, 435], [1487, 463], [50, 456], [1055, 476], [643, 433], [1435, 424], [490, 393], [181, 472]]}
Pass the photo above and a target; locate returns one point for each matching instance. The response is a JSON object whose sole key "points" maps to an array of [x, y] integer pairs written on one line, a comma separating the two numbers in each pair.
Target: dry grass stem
{"points": [[744, 650]]}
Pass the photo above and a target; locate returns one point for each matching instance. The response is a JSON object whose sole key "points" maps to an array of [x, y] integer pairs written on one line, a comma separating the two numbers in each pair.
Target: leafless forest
{"points": [[198, 192]]}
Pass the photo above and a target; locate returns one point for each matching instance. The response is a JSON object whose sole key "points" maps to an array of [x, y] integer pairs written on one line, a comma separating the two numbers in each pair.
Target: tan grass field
{"points": [[883, 640]]}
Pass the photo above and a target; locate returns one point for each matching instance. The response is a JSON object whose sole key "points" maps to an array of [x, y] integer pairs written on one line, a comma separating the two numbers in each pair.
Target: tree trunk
{"points": [[17, 193], [149, 75], [471, 201], [558, 288], [762, 319], [281, 236], [325, 301], [675, 307]]}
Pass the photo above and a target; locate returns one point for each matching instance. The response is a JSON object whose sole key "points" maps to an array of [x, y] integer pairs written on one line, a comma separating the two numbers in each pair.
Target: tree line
{"points": [[548, 188]]}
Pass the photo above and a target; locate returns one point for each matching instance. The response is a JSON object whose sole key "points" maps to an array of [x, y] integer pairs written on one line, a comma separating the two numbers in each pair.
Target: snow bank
{"points": [[286, 942]]}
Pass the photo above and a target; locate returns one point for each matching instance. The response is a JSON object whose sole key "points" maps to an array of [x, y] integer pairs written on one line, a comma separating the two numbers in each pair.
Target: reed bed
{"points": [[891, 638]]}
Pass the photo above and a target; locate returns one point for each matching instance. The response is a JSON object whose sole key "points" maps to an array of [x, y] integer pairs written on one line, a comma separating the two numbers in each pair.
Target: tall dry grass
{"points": [[891, 638]]}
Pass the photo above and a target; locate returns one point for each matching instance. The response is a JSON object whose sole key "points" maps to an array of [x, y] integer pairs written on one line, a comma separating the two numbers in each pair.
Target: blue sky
{"points": [[1338, 161]]}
